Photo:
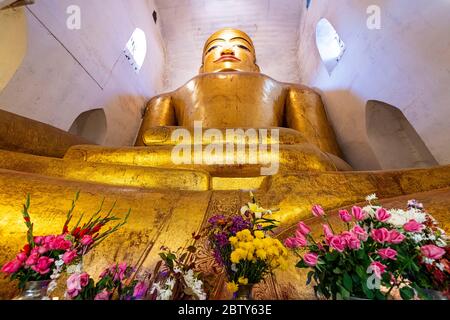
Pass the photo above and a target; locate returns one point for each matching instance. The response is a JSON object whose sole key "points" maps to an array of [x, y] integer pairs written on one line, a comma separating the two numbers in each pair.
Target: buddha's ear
{"points": [[258, 69]]}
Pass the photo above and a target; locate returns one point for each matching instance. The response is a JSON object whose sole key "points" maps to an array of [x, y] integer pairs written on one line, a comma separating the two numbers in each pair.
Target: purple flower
{"points": [[218, 257], [216, 220], [239, 224], [140, 290], [221, 239]]}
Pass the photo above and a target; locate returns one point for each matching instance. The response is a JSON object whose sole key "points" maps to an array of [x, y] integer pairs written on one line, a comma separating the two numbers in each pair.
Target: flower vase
{"points": [[244, 292], [34, 290]]}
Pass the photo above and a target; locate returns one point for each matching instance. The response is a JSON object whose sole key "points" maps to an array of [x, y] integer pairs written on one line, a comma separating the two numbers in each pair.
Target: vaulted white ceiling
{"points": [[272, 24]]}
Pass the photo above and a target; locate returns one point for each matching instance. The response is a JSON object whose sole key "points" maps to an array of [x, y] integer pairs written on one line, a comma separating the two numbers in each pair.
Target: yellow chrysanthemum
{"points": [[262, 254], [243, 281], [259, 234], [258, 243], [235, 257], [233, 241], [232, 287]]}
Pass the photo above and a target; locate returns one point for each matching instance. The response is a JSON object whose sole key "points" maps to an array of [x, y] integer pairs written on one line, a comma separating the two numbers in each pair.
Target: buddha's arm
{"points": [[159, 112], [305, 112]]}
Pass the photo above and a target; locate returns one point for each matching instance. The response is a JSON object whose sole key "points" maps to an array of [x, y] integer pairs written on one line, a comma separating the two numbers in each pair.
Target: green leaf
{"points": [[337, 270], [348, 283], [369, 293], [310, 275], [407, 293]]}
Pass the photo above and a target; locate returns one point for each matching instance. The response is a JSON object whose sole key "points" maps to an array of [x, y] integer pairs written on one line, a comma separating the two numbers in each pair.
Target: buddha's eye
{"points": [[242, 47], [211, 49]]}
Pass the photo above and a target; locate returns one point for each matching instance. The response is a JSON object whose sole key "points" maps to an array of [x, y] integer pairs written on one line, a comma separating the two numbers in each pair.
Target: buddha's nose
{"points": [[227, 52]]}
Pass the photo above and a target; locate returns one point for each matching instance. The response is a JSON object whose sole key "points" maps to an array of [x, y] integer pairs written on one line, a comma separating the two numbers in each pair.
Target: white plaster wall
{"points": [[66, 72], [272, 24], [406, 64]]}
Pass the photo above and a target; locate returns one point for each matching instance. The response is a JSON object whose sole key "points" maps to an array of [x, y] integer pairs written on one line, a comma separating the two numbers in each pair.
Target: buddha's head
{"points": [[229, 50]]}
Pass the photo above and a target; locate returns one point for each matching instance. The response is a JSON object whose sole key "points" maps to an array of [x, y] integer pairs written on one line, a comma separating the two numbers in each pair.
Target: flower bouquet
{"points": [[175, 279], [243, 247], [380, 251], [117, 282], [45, 258]]}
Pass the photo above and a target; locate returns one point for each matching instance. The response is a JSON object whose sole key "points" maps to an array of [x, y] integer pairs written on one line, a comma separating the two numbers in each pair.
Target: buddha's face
{"points": [[229, 50]]}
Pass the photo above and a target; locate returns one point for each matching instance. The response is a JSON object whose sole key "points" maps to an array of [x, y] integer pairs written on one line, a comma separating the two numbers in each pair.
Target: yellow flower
{"points": [[254, 207], [250, 256], [259, 234], [233, 241], [235, 257], [262, 254], [244, 235], [283, 264], [243, 281], [232, 287], [258, 243]]}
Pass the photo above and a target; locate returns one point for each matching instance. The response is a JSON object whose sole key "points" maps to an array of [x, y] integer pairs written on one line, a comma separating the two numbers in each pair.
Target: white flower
{"points": [[194, 284], [417, 237], [400, 217], [371, 197], [440, 266], [234, 268], [441, 243], [244, 209], [428, 260], [258, 215], [170, 283]]}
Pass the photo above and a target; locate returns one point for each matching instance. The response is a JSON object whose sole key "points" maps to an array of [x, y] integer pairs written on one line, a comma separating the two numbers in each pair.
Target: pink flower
{"points": [[22, 257], [327, 231], [358, 213], [413, 226], [87, 240], [32, 259], [69, 256], [38, 240], [104, 295], [380, 235], [388, 253], [58, 243], [345, 216], [12, 266], [311, 259], [377, 268], [140, 290], [293, 243], [303, 228], [396, 237], [382, 215], [360, 233], [338, 243], [84, 280], [43, 249], [43, 265], [318, 211], [301, 239], [353, 242], [432, 252]]}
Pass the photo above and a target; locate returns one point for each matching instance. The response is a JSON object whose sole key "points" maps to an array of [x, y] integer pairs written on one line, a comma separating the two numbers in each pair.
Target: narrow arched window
{"points": [[90, 125], [394, 140], [329, 44], [136, 49]]}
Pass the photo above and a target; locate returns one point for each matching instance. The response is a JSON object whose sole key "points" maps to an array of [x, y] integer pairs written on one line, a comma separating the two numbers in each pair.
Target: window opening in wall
{"points": [[136, 49], [329, 44]]}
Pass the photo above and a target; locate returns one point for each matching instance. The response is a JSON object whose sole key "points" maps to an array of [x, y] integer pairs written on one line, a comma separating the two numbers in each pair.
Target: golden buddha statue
{"points": [[171, 201], [230, 92]]}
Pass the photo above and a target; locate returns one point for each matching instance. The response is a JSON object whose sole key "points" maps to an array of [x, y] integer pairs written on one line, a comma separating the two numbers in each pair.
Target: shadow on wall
{"points": [[90, 125], [394, 139]]}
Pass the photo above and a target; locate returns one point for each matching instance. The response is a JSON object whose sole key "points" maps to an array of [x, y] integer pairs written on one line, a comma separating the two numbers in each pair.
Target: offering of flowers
{"points": [[243, 247], [380, 251], [116, 283], [175, 279], [46, 257]]}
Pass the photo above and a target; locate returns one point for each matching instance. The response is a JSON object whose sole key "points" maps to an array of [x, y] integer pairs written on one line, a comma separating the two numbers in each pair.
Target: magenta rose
{"points": [[32, 259], [381, 235], [69, 256], [387, 254], [84, 279], [413, 226], [38, 240], [43, 265], [22, 257], [303, 228], [338, 243], [104, 295], [327, 231], [353, 242], [87, 240], [345, 216], [358, 213], [311, 259], [12, 266], [301, 238], [289, 243], [318, 211], [396, 237], [432, 252], [140, 290], [360, 233], [377, 268], [382, 215]]}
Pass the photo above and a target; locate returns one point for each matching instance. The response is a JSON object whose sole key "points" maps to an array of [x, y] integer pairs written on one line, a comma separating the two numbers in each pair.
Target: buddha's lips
{"points": [[227, 58]]}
